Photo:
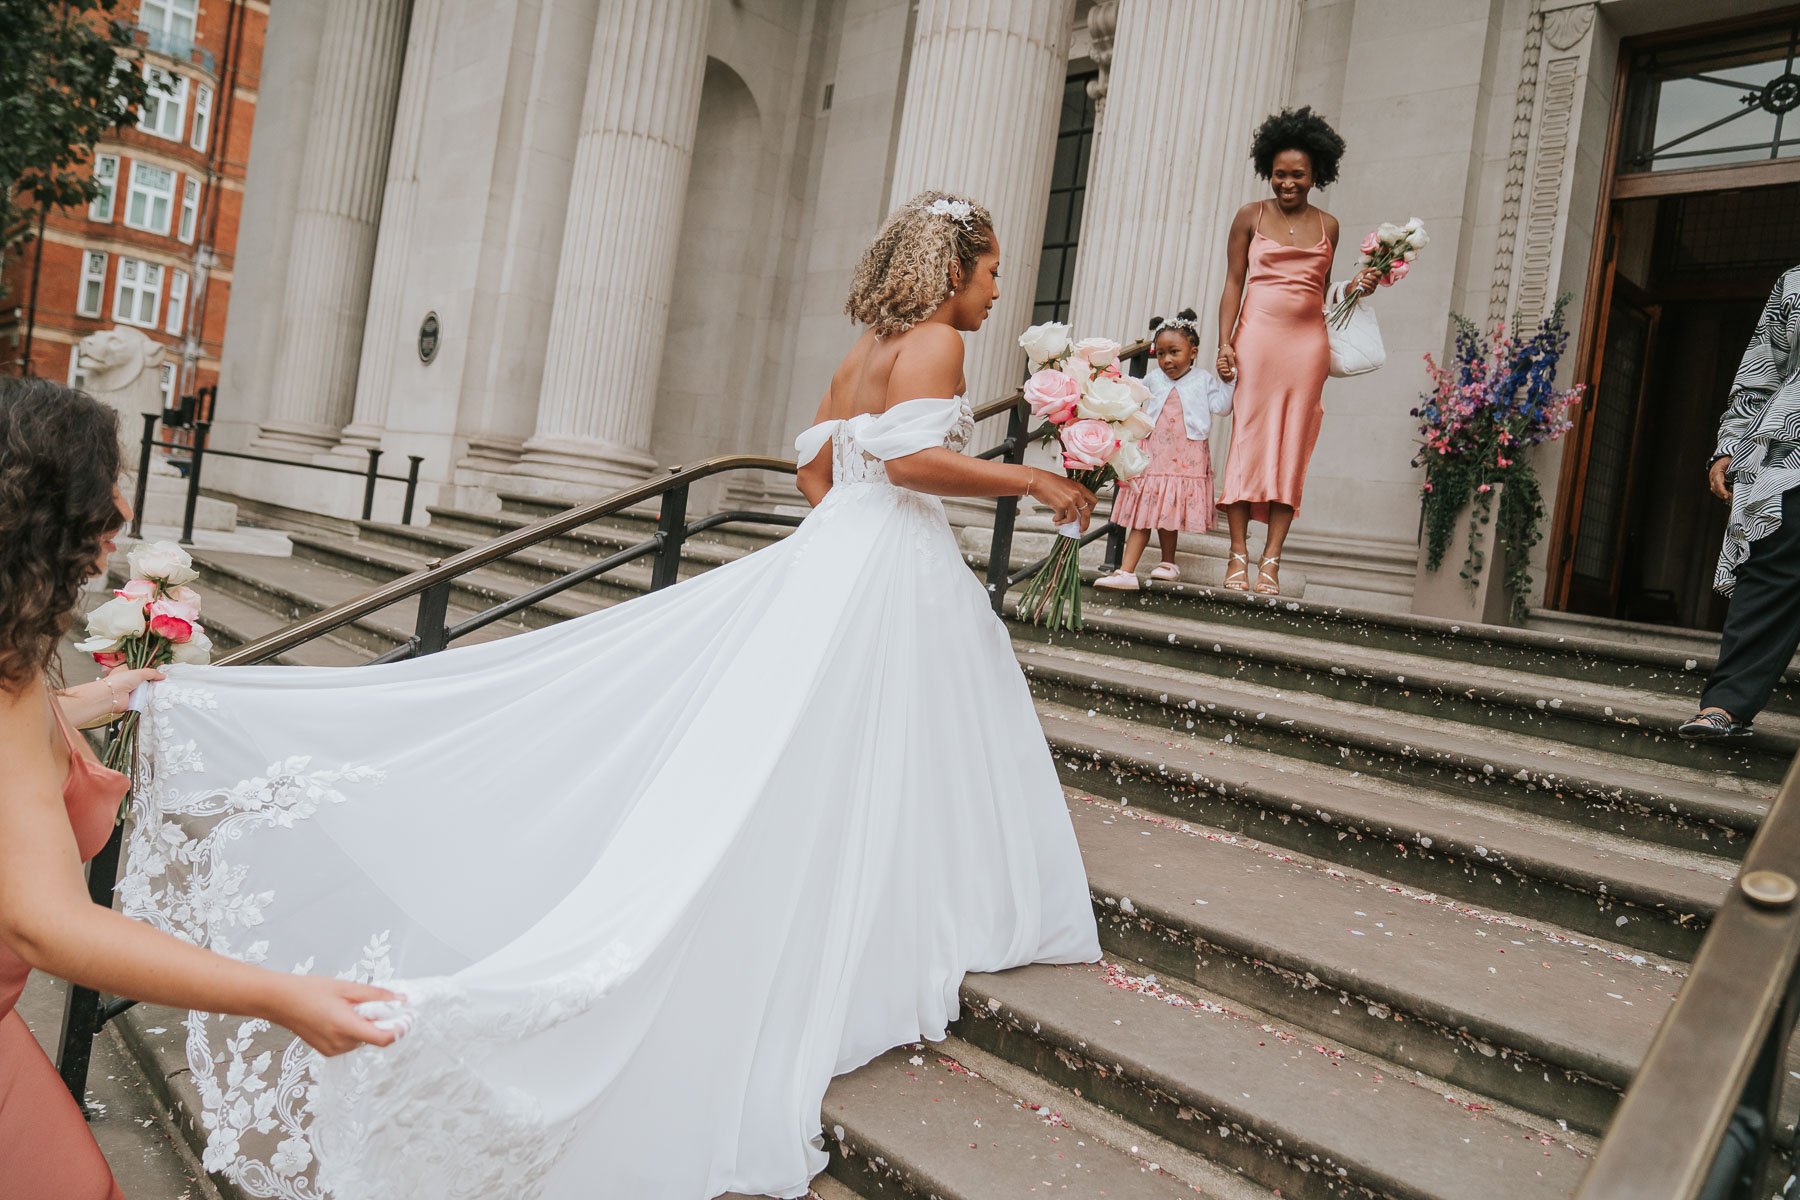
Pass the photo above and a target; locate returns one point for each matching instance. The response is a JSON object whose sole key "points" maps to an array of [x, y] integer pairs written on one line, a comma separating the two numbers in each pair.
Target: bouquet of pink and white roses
{"points": [[1094, 413], [151, 621], [1390, 249]]}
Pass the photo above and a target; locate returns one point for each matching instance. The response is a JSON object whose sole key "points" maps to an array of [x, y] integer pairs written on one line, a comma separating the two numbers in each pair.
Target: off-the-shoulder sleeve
{"points": [[908, 427], [811, 441]]}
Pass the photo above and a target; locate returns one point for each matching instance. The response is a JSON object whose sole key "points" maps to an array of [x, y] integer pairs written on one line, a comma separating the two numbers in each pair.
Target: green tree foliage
{"points": [[68, 76]]}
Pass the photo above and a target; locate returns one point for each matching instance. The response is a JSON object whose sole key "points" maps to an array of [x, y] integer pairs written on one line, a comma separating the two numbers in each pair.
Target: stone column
{"points": [[333, 246], [385, 330], [1189, 80], [619, 241], [982, 97]]}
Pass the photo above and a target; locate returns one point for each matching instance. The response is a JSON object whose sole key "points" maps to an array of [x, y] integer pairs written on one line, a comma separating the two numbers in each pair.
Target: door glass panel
{"points": [[1615, 415], [1703, 104]]}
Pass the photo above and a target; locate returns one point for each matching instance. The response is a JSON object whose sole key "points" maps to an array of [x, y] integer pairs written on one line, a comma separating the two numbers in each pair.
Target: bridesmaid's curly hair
{"points": [[59, 460], [1298, 129], [905, 273]]}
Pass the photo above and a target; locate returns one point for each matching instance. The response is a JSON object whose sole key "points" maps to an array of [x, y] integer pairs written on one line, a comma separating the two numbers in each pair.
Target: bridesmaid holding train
{"points": [[1272, 339]]}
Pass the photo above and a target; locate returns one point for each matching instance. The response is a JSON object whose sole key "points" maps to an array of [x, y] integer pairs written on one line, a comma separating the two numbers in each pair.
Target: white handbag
{"points": [[1356, 349]]}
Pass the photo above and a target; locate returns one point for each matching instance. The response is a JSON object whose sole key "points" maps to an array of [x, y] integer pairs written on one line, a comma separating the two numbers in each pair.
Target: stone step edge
{"points": [[1492, 760], [1246, 784], [694, 551]]}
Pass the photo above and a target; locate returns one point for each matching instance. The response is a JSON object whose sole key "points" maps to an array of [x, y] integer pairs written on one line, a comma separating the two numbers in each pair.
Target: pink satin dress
{"points": [[46, 1149], [1283, 356]]}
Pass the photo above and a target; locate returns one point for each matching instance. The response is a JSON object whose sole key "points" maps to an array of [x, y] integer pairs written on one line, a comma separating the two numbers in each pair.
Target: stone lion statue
{"points": [[122, 367]]}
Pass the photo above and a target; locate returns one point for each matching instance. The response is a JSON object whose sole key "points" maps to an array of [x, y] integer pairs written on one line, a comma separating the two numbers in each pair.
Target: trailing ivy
{"points": [[1492, 402]]}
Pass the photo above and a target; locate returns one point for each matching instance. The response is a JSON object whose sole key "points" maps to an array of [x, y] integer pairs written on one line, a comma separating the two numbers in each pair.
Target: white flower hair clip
{"points": [[959, 211], [1177, 323]]}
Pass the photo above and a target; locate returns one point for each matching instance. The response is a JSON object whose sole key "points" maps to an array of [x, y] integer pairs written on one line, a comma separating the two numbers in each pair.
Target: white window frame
{"points": [[76, 378], [190, 209], [151, 195], [106, 174], [161, 16], [166, 385], [178, 290], [137, 293], [93, 274], [203, 98], [165, 109]]}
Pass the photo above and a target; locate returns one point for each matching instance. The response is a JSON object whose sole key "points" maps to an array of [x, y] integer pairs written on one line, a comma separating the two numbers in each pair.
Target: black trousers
{"points": [[1762, 624]]}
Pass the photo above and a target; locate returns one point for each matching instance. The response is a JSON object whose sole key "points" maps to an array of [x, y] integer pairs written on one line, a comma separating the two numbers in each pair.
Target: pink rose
{"points": [[1112, 371], [1052, 396], [1088, 445], [1396, 273], [185, 595], [173, 620], [1371, 243], [110, 659], [141, 590]]}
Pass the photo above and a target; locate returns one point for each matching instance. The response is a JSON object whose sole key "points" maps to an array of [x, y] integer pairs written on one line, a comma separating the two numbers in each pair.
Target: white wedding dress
{"points": [[650, 877]]}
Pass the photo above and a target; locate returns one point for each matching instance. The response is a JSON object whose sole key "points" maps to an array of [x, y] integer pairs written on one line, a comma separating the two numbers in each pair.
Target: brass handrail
{"points": [[1733, 1016]]}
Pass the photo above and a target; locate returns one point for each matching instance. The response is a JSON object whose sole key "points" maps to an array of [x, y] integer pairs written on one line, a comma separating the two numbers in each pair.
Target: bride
{"points": [[648, 879]]}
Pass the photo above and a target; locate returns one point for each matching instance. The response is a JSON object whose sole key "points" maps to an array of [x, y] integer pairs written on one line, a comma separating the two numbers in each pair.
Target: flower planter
{"points": [[1447, 592]]}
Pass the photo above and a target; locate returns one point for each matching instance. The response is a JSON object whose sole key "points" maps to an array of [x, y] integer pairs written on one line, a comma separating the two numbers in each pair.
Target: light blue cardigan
{"points": [[1203, 397]]}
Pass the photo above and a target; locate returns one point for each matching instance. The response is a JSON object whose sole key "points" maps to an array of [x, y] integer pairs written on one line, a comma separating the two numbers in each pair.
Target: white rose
{"points": [[116, 619], [1106, 399], [1045, 343], [196, 651], [1137, 426], [1100, 352], [1387, 231], [164, 562], [1130, 460]]}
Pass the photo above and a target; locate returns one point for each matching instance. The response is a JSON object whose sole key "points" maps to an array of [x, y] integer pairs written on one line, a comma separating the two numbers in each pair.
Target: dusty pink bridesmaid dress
{"points": [[1283, 356], [46, 1150]]}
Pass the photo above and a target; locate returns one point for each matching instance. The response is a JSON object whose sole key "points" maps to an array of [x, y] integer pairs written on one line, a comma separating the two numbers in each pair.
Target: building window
{"points": [[136, 298], [202, 115], [172, 18], [166, 385], [1068, 190], [1696, 103], [77, 377], [165, 106], [106, 174], [178, 282], [151, 198], [93, 284], [190, 208]]}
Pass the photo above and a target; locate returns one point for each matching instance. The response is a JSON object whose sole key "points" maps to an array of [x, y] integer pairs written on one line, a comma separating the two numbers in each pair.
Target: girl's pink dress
{"points": [[1177, 491], [1283, 356], [46, 1150]]}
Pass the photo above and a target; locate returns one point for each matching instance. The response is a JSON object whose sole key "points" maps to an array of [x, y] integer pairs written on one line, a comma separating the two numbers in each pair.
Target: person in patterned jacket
{"points": [[1756, 466]]}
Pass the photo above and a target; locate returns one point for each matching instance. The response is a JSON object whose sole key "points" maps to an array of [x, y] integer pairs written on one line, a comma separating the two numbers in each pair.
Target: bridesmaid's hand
{"points": [[1365, 281], [322, 1013], [1227, 363]]}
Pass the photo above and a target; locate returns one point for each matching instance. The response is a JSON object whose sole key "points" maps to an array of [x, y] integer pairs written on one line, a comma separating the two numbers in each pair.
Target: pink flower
{"points": [[173, 620], [1370, 243], [1052, 396], [185, 595], [141, 590], [1396, 273], [1428, 487], [1112, 371], [1484, 488], [110, 659], [1088, 445]]}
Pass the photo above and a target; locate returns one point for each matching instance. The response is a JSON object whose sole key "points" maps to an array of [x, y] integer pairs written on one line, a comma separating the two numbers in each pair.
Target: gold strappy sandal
{"points": [[1241, 574], [1262, 573]]}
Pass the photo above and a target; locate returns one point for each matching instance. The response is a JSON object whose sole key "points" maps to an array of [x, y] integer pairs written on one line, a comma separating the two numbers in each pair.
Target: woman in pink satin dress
{"points": [[59, 512], [1272, 339]]}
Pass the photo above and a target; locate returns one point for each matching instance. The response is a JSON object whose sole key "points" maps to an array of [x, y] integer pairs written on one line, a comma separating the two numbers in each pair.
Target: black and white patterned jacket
{"points": [[1761, 428]]}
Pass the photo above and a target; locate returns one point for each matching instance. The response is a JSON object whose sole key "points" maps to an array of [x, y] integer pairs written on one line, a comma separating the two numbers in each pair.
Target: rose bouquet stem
{"points": [[1053, 597]]}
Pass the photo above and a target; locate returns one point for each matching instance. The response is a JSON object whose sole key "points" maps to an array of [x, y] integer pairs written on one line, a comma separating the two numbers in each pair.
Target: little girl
{"points": [[1176, 494]]}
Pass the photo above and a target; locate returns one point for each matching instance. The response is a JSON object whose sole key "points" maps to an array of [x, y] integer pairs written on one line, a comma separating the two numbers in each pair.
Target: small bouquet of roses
{"points": [[151, 621], [1094, 413], [1390, 249]]}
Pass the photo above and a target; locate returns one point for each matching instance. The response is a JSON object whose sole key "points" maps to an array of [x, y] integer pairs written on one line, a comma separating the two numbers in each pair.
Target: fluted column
{"points": [[1190, 80], [384, 329], [983, 93], [333, 242], [619, 240]]}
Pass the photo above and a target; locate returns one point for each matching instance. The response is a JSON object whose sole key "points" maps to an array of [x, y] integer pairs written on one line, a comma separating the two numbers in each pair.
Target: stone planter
{"points": [[1445, 593]]}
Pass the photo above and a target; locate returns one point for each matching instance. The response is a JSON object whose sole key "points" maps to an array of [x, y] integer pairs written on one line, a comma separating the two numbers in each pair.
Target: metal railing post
{"points": [[431, 631], [1115, 544], [193, 481], [81, 1016], [671, 533], [412, 486], [140, 495], [1006, 514], [368, 509]]}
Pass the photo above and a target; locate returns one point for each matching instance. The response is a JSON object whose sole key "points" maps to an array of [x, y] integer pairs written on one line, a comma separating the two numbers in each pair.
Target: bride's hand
{"points": [[322, 1013], [1067, 500]]}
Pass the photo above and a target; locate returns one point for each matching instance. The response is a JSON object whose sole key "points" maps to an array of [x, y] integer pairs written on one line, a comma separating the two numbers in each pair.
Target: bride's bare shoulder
{"points": [[928, 361]]}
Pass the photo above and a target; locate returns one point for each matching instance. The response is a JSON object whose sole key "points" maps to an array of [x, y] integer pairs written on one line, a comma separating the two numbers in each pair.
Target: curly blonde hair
{"points": [[905, 273]]}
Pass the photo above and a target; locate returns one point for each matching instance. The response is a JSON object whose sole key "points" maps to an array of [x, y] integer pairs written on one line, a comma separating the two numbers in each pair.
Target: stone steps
{"points": [[1377, 922]]}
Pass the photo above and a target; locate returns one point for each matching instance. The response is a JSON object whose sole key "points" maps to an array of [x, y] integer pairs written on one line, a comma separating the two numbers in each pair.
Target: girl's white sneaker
{"points": [[1118, 581]]}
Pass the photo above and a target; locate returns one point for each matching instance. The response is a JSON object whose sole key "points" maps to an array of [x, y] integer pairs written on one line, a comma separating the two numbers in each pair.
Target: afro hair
{"points": [[1303, 130]]}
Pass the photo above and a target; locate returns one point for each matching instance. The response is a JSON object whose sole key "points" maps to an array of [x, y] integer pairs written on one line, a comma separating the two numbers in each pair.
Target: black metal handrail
{"points": [[198, 454], [1701, 1118], [85, 1013]]}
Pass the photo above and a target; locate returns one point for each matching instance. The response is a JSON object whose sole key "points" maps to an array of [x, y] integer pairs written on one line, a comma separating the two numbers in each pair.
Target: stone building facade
{"points": [[631, 224]]}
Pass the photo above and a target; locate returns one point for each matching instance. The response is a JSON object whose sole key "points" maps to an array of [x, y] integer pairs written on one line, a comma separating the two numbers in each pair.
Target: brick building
{"points": [[156, 249]]}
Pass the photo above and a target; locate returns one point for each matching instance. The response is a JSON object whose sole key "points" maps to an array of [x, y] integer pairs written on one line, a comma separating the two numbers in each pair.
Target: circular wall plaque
{"points": [[428, 337]]}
